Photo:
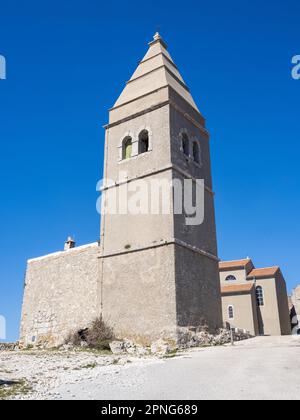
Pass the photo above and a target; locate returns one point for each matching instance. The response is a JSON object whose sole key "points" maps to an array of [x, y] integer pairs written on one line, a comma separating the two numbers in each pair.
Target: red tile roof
{"points": [[263, 272], [238, 288], [234, 264]]}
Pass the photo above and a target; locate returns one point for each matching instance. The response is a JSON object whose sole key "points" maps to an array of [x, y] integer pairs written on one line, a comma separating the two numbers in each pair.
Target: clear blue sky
{"points": [[66, 64]]}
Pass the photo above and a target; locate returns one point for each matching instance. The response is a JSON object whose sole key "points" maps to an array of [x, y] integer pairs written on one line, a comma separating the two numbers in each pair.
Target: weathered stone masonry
{"points": [[152, 274], [61, 295]]}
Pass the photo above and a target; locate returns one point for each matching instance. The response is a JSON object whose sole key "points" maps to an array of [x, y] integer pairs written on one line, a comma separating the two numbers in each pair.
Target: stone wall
{"points": [[245, 311], [198, 296], [138, 294], [144, 295], [61, 295], [9, 346], [283, 306], [295, 298]]}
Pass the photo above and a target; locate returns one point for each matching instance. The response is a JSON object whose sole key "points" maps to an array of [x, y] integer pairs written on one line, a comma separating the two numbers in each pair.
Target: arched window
{"points": [[230, 312], [260, 296], [185, 144], [127, 148], [230, 278], [144, 141], [196, 152]]}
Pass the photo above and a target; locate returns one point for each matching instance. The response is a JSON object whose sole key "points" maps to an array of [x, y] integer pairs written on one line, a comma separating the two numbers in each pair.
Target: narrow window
{"points": [[144, 142], [260, 296], [127, 148], [185, 144], [196, 152], [230, 278], [230, 312]]}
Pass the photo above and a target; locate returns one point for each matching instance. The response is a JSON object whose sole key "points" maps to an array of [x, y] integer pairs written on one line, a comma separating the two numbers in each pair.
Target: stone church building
{"points": [[150, 274], [254, 299]]}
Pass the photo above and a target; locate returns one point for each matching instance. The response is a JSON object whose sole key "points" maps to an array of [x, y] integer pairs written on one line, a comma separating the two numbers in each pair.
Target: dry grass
{"points": [[97, 336], [10, 389]]}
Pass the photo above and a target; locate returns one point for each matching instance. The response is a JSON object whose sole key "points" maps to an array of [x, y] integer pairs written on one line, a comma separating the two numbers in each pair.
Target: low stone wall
{"points": [[9, 346], [61, 295], [188, 338]]}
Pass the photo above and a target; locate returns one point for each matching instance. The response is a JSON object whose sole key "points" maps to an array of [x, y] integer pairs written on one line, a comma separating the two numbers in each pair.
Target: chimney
{"points": [[69, 244]]}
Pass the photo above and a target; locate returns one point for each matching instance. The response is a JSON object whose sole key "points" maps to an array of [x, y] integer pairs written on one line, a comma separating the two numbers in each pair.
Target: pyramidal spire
{"points": [[156, 71], [158, 38]]}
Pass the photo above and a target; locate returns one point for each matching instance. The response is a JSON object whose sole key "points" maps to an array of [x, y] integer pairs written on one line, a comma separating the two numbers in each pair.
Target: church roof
{"points": [[263, 272], [235, 264], [251, 271], [239, 288], [157, 70]]}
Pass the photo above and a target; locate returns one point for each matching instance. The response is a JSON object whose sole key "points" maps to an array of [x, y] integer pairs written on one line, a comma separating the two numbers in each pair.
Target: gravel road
{"points": [[261, 368]]}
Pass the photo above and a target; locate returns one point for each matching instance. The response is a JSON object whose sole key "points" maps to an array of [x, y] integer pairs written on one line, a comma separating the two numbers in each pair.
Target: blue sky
{"points": [[67, 63]]}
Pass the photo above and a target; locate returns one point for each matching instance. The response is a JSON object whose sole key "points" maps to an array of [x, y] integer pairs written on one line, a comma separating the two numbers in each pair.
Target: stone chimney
{"points": [[69, 244]]}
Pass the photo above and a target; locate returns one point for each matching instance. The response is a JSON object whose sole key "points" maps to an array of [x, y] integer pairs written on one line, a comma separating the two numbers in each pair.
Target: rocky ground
{"points": [[259, 368], [36, 374]]}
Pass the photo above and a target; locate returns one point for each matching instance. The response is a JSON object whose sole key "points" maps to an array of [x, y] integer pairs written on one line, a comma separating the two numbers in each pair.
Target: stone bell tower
{"points": [[157, 272]]}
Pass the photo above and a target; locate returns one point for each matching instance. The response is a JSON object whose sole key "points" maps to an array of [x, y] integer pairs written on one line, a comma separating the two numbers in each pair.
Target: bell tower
{"points": [[158, 273]]}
